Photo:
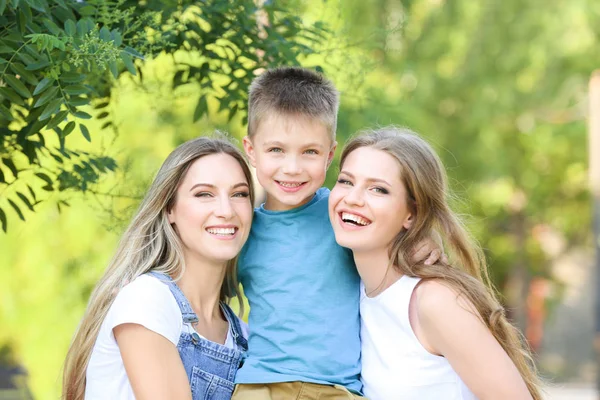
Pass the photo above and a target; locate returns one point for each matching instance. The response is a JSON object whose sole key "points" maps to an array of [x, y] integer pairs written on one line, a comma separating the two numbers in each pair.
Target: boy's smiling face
{"points": [[291, 155]]}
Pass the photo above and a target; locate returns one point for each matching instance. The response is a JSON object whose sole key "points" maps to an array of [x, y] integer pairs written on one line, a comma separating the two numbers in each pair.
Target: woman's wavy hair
{"points": [[424, 177], [150, 243]]}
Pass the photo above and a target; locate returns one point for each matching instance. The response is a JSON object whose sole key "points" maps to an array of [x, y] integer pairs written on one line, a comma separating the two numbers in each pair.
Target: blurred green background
{"points": [[499, 89]]}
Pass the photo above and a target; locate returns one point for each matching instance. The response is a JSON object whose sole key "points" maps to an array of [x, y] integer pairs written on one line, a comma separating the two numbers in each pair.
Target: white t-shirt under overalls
{"points": [[145, 301], [394, 363]]}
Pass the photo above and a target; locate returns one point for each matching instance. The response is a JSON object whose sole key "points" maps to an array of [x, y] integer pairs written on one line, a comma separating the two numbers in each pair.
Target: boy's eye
{"points": [[275, 150], [203, 194], [241, 194], [312, 152]]}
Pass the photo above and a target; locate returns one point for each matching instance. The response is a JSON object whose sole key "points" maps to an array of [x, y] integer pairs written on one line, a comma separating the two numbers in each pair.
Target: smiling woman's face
{"points": [[368, 205], [212, 212]]}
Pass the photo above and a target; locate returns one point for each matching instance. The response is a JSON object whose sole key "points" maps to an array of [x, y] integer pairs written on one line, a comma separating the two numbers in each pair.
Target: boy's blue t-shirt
{"points": [[303, 290]]}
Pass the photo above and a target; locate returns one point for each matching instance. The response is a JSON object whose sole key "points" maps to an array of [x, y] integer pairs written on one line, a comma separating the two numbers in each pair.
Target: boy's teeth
{"points": [[221, 231], [347, 217], [290, 184]]}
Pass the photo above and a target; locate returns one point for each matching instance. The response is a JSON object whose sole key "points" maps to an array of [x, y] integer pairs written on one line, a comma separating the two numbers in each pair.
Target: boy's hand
{"points": [[430, 250]]}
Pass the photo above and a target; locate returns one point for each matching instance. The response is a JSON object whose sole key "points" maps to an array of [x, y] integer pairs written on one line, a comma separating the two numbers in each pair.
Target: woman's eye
{"points": [[342, 181], [380, 190], [275, 150], [241, 194], [203, 194]]}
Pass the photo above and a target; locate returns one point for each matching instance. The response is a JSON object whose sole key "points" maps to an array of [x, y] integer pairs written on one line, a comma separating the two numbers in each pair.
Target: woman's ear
{"points": [[408, 221]]}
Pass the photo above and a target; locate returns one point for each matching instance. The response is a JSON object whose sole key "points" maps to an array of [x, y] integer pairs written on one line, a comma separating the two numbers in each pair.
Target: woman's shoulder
{"points": [[435, 298], [147, 301]]}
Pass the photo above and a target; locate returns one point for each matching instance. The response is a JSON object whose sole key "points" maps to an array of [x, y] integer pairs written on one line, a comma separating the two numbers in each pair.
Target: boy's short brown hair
{"points": [[293, 91]]}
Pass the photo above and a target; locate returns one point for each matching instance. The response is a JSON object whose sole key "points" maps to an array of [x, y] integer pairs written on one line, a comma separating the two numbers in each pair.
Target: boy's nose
{"points": [[292, 166]]}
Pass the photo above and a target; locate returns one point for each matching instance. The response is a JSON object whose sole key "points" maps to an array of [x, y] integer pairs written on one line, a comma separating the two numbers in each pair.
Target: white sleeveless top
{"points": [[394, 363]]}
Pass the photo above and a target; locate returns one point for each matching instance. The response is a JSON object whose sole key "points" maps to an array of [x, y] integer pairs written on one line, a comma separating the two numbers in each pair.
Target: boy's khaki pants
{"points": [[292, 391]]}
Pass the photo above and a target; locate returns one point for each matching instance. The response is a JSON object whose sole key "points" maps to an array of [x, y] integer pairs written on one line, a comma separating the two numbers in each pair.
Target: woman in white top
{"points": [[428, 331], [162, 301]]}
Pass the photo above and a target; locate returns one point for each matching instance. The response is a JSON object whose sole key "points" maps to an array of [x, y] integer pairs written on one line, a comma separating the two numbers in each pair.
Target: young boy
{"points": [[302, 287]]}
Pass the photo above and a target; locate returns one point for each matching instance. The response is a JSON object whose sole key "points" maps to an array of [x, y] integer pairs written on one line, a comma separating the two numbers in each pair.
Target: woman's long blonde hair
{"points": [[149, 244], [424, 177]]}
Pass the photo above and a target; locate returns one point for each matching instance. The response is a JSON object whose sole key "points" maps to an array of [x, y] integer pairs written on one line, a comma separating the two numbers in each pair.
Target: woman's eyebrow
{"points": [[367, 179], [210, 185]]}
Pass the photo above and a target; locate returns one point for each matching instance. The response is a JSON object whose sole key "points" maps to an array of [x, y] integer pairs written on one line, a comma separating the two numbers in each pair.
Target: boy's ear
{"points": [[249, 149], [331, 154]]}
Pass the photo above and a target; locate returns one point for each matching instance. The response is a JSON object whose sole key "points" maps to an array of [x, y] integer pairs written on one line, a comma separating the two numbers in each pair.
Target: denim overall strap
{"points": [[236, 329], [189, 316]]}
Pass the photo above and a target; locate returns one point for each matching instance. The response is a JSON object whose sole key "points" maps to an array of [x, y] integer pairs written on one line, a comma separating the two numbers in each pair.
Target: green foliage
{"points": [[499, 89], [59, 60]]}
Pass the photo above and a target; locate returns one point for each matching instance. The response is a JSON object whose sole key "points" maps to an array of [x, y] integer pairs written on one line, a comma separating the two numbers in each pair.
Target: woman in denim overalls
{"points": [[210, 367], [156, 319]]}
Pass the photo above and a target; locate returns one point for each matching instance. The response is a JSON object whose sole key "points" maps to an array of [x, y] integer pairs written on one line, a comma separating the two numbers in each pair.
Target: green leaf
{"points": [[11, 165], [103, 114], [201, 108], [52, 27], [128, 63], [2, 179], [10, 94], [104, 104], [82, 115], [35, 5], [32, 193], [70, 27], [2, 6], [57, 119], [21, 20], [17, 209], [105, 34], [113, 69], [25, 200], [3, 220], [5, 112], [133, 52], [77, 101], [43, 85], [37, 65], [51, 108], [116, 37], [46, 97], [82, 27], [85, 132], [17, 85], [76, 89], [72, 77], [69, 128], [87, 10], [44, 177], [25, 75], [15, 3]]}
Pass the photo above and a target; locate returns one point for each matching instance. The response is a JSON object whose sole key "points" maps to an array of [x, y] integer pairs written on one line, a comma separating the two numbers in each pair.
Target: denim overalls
{"points": [[211, 367]]}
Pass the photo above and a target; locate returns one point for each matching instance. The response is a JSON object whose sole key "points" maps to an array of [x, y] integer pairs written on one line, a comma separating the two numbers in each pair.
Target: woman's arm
{"points": [[152, 363], [449, 325]]}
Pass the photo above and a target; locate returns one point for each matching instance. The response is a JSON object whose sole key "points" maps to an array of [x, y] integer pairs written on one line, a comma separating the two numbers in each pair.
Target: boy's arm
{"points": [[431, 250]]}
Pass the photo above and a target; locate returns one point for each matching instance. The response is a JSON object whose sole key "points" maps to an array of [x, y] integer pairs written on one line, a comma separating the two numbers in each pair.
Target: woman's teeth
{"points": [[355, 219], [221, 231]]}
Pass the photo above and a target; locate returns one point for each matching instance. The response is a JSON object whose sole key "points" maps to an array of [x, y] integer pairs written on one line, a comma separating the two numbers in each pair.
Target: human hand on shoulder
{"points": [[430, 250]]}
